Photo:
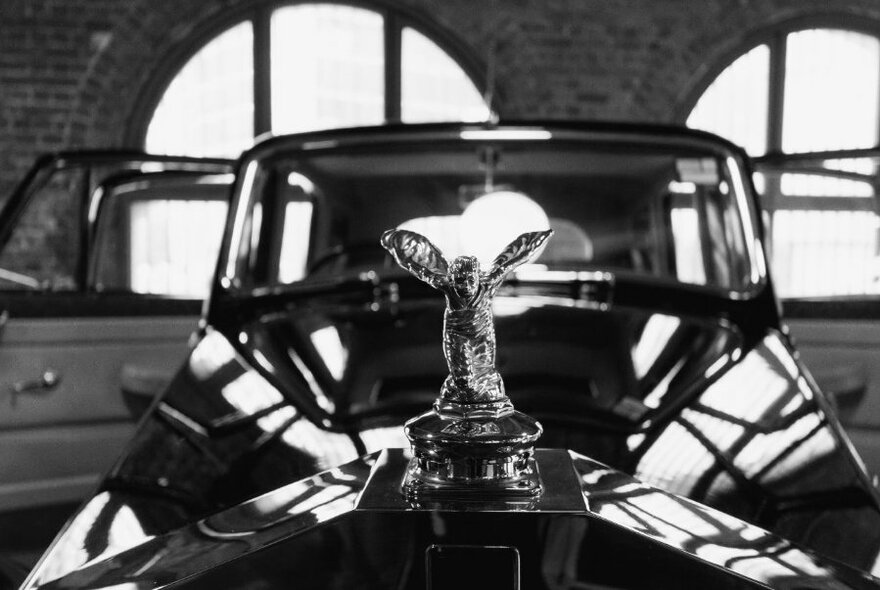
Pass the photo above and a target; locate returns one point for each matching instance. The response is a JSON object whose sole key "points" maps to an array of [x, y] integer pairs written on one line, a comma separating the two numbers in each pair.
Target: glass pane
{"points": [[165, 255], [689, 266], [433, 85], [831, 90], [208, 109], [43, 249], [816, 185], [735, 105], [159, 234], [295, 242], [822, 253], [603, 200], [328, 68]]}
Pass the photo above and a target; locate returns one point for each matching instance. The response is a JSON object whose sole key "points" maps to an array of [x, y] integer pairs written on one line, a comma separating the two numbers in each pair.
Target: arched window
{"points": [[302, 67], [801, 92]]}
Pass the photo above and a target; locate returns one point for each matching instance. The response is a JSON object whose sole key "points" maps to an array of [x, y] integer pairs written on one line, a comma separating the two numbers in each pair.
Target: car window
{"points": [[659, 212], [43, 250], [159, 240]]}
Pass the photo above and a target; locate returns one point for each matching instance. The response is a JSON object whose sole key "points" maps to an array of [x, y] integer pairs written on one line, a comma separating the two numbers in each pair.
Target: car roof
{"points": [[553, 129]]}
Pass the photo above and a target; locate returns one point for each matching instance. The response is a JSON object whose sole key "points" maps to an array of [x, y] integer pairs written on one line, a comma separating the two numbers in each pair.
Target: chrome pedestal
{"points": [[472, 450]]}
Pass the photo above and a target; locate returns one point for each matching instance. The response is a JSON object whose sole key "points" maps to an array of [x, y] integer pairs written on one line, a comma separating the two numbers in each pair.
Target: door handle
{"points": [[49, 380]]}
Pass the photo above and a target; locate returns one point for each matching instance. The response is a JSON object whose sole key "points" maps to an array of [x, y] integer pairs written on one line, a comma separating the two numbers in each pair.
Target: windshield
{"points": [[671, 211]]}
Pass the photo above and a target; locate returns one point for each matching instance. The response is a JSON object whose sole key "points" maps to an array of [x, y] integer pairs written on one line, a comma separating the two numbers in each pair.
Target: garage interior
{"points": [[204, 79]]}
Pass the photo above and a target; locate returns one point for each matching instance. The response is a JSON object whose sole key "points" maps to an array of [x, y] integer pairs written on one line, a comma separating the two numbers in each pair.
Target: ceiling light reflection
{"points": [[493, 220]]}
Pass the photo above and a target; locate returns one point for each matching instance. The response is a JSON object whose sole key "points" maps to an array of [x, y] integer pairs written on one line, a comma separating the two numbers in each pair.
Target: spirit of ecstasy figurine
{"points": [[468, 326], [472, 439]]}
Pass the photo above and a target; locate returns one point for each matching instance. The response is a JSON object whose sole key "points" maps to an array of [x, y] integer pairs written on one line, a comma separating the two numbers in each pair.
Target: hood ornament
{"points": [[472, 439]]}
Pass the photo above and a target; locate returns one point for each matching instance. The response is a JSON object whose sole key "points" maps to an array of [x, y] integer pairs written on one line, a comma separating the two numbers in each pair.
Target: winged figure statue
{"points": [[468, 325]]}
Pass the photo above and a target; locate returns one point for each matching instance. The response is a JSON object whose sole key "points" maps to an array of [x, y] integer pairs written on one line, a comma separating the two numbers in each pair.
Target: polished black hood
{"points": [[687, 402], [348, 527]]}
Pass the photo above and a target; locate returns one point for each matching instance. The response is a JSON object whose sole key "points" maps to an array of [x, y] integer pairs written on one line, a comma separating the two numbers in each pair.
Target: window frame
{"points": [[772, 199], [125, 201], [259, 13], [774, 36]]}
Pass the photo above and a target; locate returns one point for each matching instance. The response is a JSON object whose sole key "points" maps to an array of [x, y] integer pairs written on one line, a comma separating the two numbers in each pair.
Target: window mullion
{"points": [[776, 92], [877, 139], [262, 71], [392, 68], [775, 109]]}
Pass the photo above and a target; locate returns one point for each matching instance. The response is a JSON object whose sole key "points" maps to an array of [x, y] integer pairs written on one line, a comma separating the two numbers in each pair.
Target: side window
{"points": [[44, 248], [823, 230], [159, 242]]}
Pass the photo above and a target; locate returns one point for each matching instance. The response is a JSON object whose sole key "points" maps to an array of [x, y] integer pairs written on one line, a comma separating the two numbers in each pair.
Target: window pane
{"points": [[208, 109], [328, 68], [689, 266], [831, 90], [433, 86], [735, 105], [592, 196], [43, 250], [295, 242], [816, 185], [166, 255], [821, 253]]}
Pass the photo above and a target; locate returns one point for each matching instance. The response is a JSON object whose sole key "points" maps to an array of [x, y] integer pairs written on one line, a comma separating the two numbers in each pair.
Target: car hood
{"points": [[684, 402], [323, 531]]}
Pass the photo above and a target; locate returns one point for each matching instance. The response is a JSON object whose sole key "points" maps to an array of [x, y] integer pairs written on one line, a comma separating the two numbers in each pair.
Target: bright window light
{"points": [[485, 227], [433, 86], [831, 90], [208, 109], [689, 266], [328, 67], [822, 253], [166, 256], [735, 105], [295, 243], [494, 220], [824, 240]]}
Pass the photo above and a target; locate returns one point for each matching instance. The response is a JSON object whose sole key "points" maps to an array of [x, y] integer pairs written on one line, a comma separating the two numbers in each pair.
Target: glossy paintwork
{"points": [[689, 390], [225, 431], [586, 506], [707, 534]]}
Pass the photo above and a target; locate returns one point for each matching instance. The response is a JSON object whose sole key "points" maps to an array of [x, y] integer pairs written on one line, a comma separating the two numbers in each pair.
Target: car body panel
{"points": [[588, 514], [59, 436], [250, 468]]}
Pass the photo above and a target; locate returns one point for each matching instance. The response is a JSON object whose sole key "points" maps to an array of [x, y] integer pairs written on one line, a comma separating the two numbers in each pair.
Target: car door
{"points": [[824, 240], [79, 358]]}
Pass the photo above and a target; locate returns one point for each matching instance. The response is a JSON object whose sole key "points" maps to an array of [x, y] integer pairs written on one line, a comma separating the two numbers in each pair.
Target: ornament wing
{"points": [[519, 251], [418, 255]]}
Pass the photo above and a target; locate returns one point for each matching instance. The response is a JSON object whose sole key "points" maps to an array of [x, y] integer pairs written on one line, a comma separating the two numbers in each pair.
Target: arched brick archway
{"points": [[135, 47], [568, 59], [156, 37], [72, 72]]}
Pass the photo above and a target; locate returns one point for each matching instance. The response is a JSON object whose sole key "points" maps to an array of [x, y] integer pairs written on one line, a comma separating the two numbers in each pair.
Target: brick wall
{"points": [[71, 70]]}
